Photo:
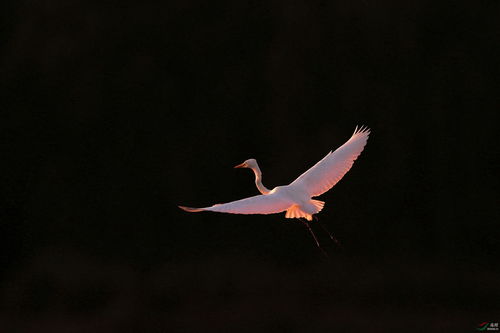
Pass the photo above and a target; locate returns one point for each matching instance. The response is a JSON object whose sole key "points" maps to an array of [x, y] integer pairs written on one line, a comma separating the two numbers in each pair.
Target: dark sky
{"points": [[113, 114]]}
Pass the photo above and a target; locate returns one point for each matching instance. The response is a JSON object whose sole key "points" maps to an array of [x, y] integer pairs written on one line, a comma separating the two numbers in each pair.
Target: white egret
{"points": [[296, 198]]}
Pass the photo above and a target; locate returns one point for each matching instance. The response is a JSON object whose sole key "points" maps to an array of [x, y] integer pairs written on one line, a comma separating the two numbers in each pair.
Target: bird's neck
{"points": [[258, 180]]}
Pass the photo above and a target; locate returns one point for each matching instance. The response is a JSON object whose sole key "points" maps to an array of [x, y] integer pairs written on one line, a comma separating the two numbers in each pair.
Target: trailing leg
{"points": [[330, 234], [314, 236]]}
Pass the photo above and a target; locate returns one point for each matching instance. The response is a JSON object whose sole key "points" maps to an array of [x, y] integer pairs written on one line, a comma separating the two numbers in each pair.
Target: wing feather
{"points": [[327, 172], [259, 204]]}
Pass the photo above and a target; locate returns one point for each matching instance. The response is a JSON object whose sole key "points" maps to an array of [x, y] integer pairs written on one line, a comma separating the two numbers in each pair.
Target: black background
{"points": [[113, 114]]}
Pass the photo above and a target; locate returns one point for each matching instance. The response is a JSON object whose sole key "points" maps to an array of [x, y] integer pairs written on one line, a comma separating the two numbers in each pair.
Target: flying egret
{"points": [[296, 197]]}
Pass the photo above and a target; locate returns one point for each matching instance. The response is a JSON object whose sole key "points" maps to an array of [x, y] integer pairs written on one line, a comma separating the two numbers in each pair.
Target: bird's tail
{"points": [[191, 210], [318, 204], [295, 212], [306, 212]]}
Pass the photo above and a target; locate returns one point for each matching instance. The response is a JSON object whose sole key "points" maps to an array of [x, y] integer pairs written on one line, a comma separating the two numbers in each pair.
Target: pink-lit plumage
{"points": [[296, 198]]}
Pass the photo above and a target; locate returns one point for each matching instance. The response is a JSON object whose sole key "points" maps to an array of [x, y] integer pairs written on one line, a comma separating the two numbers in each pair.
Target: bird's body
{"points": [[296, 198]]}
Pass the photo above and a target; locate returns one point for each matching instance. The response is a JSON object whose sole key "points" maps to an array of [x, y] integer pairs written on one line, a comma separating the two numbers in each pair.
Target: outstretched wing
{"points": [[259, 204], [327, 172]]}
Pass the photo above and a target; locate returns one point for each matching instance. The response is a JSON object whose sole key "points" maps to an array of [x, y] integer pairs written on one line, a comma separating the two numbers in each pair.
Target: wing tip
{"points": [[363, 129], [191, 209]]}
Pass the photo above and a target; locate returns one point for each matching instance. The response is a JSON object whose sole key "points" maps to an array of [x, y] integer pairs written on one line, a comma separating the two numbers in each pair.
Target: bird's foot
{"points": [[330, 234]]}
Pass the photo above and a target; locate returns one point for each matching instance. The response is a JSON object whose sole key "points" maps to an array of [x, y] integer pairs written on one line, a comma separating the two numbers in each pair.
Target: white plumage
{"points": [[296, 198]]}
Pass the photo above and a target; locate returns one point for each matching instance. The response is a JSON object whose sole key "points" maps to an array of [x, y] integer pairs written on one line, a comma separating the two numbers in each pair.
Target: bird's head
{"points": [[250, 163]]}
